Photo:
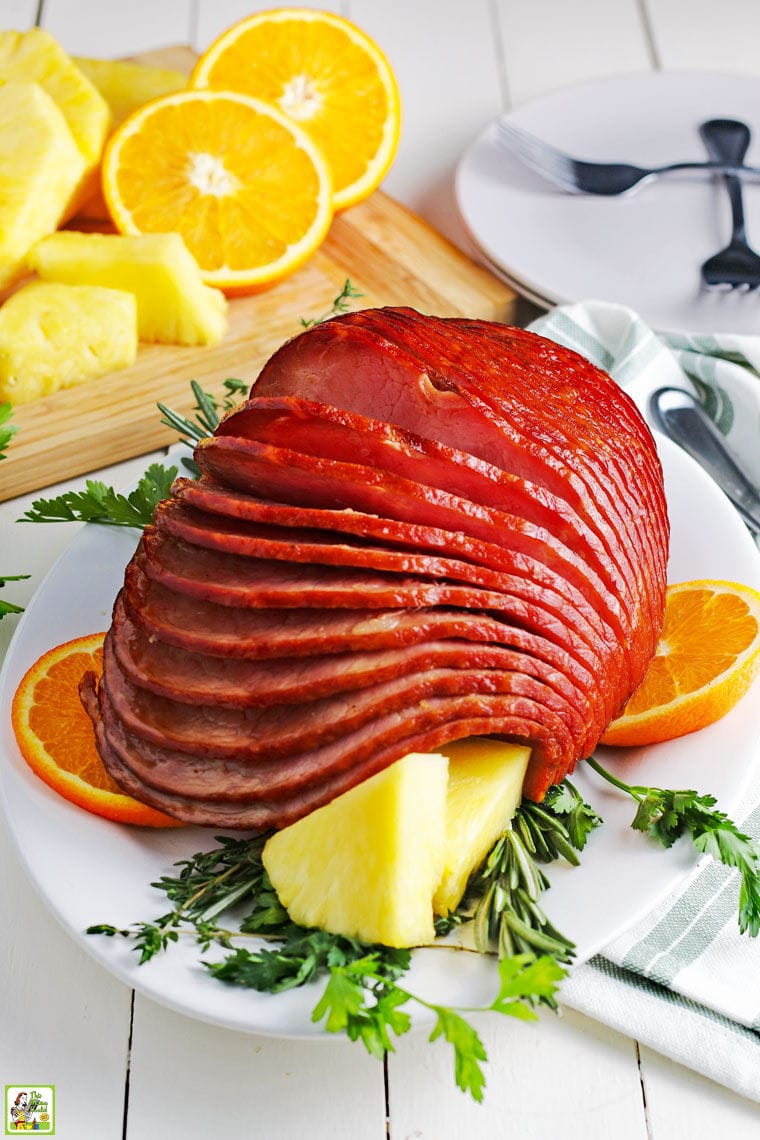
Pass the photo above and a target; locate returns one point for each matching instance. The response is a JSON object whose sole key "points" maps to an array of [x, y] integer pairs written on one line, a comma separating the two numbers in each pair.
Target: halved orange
{"points": [[326, 75], [56, 736], [707, 658], [246, 188]]}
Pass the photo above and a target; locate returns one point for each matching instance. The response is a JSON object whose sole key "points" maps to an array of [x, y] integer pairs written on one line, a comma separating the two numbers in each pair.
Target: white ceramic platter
{"points": [[642, 249], [91, 871]]}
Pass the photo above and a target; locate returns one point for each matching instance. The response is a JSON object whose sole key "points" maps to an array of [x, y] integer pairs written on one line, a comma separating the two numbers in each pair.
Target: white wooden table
{"points": [[125, 1067]]}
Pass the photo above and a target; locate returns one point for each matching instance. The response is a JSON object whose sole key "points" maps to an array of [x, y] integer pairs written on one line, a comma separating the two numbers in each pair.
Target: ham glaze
{"points": [[414, 530]]}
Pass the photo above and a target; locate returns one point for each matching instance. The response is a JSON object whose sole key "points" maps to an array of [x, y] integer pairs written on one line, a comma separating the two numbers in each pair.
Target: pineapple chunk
{"points": [[55, 336], [485, 786], [366, 864], [173, 304], [125, 87], [39, 167], [36, 57]]}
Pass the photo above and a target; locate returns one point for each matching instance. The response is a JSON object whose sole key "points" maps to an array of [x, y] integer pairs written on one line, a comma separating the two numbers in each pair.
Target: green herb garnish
{"points": [[7, 429], [339, 305], [363, 997], [9, 607], [101, 504], [506, 889], [666, 815]]}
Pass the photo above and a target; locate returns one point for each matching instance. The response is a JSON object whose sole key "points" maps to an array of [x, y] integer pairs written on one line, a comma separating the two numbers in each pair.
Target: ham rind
{"points": [[562, 384], [415, 530], [289, 476], [232, 580], [174, 782], [198, 678], [231, 777], [272, 734], [354, 363], [334, 433], [215, 499], [214, 630], [493, 570]]}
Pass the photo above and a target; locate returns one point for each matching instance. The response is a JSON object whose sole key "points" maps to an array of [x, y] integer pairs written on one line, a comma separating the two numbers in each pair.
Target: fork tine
{"points": [[539, 155]]}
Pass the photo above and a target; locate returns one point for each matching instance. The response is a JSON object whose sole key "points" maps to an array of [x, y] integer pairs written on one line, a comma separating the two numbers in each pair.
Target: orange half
{"points": [[57, 740], [246, 188], [327, 76], [707, 658]]}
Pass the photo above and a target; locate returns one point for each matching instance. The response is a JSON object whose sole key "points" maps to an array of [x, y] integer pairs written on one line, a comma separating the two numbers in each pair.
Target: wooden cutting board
{"points": [[391, 256]]}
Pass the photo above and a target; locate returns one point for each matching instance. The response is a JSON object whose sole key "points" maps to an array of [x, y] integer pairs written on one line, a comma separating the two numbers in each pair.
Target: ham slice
{"points": [[414, 530]]}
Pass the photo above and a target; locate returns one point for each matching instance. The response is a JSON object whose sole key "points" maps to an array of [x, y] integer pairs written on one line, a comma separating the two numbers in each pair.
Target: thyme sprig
{"points": [[362, 995], [340, 305]]}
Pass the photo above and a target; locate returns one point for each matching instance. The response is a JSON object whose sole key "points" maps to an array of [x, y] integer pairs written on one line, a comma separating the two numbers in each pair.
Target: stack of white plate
{"points": [[642, 249]]}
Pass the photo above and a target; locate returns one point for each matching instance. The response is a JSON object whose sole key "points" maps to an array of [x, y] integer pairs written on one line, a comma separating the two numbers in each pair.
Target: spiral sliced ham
{"points": [[414, 530]]}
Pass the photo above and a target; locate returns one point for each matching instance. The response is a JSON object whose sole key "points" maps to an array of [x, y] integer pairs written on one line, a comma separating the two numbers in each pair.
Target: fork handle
{"points": [[727, 140]]}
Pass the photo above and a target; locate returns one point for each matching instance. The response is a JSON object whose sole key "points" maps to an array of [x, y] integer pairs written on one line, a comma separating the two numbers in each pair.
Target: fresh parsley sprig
{"points": [[9, 607], [666, 815], [7, 429], [101, 504], [362, 995], [339, 305]]}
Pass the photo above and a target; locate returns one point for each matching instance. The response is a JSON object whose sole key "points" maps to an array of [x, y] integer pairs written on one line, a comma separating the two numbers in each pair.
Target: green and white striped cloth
{"points": [[683, 980]]}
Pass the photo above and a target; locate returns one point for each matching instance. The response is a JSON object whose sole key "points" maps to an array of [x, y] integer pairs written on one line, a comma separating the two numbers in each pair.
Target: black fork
{"points": [[737, 266]]}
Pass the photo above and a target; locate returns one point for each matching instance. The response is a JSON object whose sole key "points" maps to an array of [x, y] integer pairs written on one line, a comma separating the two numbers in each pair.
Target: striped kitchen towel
{"points": [[682, 980]]}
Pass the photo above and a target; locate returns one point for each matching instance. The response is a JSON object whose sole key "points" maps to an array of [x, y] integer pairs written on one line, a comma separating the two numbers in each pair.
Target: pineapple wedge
{"points": [[55, 336], [39, 167], [125, 87], [366, 864], [485, 787], [173, 304], [36, 57]]}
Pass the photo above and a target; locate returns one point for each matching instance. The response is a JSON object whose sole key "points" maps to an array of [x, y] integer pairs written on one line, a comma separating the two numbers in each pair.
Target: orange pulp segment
{"points": [[326, 75], [246, 188], [56, 736], [707, 658]]}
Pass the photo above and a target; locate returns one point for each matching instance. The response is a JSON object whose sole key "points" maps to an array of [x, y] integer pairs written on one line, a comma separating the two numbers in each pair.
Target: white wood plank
{"points": [[64, 1021], [215, 16], [213, 1082], [699, 34], [548, 44], [682, 1103], [443, 56], [563, 1077], [90, 27], [17, 14]]}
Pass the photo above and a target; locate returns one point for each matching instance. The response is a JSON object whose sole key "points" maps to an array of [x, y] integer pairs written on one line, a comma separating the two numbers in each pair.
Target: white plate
{"points": [[642, 249], [90, 871]]}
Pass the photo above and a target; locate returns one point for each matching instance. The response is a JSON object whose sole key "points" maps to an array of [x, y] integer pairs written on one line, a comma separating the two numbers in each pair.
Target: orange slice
{"points": [[56, 737], [246, 188], [327, 76], [707, 658]]}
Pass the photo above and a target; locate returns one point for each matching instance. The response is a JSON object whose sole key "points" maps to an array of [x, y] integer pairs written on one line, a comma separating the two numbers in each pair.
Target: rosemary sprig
{"points": [[506, 890], [362, 995], [340, 305], [667, 814], [208, 412]]}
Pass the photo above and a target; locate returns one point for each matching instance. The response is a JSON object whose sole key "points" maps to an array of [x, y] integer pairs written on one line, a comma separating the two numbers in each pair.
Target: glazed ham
{"points": [[415, 530]]}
